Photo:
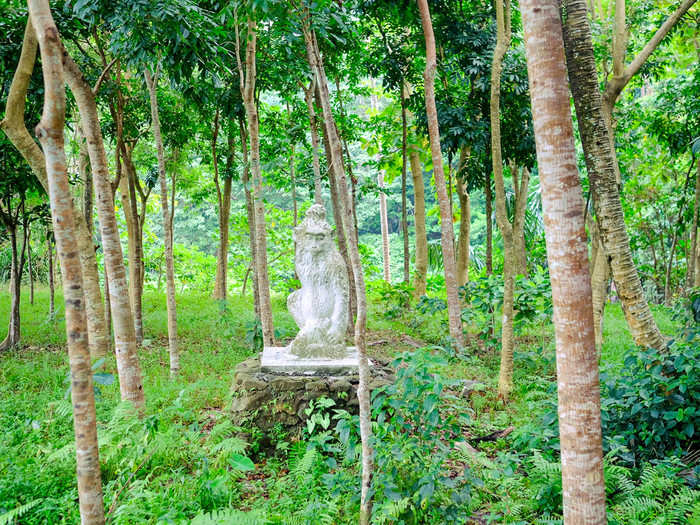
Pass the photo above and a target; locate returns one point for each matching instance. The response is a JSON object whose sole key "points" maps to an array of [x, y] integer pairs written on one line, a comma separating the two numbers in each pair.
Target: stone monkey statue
{"points": [[320, 307]]}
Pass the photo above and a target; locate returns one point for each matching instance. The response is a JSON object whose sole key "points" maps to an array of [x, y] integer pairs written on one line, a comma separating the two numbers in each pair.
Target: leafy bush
{"points": [[652, 406], [396, 298], [413, 481]]}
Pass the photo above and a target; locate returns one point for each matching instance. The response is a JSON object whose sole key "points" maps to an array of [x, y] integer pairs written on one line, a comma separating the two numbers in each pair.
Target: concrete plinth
{"points": [[279, 360]]}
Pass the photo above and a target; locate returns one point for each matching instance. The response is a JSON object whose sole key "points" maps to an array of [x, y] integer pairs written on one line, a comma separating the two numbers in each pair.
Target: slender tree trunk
{"points": [[454, 308], [384, 222], [130, 382], [30, 269], [86, 176], [16, 130], [404, 204], [152, 83], [13, 332], [250, 209], [313, 127], [488, 197], [463, 239], [50, 134], [49, 251], [421, 270], [224, 200], [600, 276], [692, 268], [248, 81], [505, 377], [348, 224], [599, 162], [583, 485], [696, 248]]}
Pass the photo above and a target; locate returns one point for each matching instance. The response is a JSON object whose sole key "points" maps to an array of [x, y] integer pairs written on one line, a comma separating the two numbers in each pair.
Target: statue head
{"points": [[313, 235]]}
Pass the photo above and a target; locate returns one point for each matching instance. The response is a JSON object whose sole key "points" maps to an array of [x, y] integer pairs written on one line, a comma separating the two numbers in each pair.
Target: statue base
{"points": [[281, 361]]}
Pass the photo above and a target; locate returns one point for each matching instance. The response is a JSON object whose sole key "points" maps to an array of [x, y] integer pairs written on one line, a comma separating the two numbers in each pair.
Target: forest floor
{"points": [[184, 460]]}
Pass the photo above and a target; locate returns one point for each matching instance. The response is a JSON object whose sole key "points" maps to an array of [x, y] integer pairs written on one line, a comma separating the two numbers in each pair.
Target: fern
{"points": [[230, 517], [549, 519], [16, 513], [301, 466]]}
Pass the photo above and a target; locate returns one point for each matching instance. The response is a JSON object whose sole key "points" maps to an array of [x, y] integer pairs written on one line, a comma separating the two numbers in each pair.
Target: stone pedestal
{"points": [[262, 399], [280, 360]]}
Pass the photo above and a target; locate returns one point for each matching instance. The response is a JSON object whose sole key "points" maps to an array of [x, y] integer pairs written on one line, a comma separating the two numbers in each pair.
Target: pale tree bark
{"points": [[168, 213], [85, 174], [404, 202], [503, 37], [49, 251], [313, 127], [250, 210], [383, 218], [129, 370], [454, 308], [11, 221], [14, 126], [421, 269], [583, 485], [338, 173], [223, 197], [600, 165], [464, 221], [50, 134], [247, 85]]}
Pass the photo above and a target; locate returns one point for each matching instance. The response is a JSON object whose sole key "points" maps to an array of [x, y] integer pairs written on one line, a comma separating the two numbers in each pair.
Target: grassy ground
{"points": [[185, 458]]}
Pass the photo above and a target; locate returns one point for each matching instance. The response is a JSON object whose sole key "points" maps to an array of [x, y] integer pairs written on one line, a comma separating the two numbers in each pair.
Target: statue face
{"points": [[317, 242]]}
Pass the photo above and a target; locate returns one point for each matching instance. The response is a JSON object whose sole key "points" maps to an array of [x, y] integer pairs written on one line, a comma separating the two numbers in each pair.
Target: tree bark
{"points": [[404, 204], [223, 195], [692, 267], [348, 223], [50, 134], [250, 210], [599, 162], [503, 37], [49, 251], [13, 125], [16, 266], [488, 197], [583, 485], [28, 242], [152, 83], [383, 219], [454, 309], [421, 269], [313, 127], [463, 239], [247, 85], [130, 382], [600, 276]]}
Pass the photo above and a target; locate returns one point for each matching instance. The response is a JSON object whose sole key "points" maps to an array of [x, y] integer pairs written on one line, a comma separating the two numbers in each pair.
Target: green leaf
{"points": [[241, 463]]}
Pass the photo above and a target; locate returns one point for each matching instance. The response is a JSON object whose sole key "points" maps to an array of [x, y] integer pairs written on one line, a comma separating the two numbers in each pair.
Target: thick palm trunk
{"points": [[454, 309], [583, 486], [152, 83], [601, 172], [16, 130], [130, 382], [50, 134]]}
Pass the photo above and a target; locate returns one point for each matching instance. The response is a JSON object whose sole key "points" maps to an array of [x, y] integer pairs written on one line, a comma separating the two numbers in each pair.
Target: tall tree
{"points": [[454, 309], [50, 134], [168, 213], [583, 485]]}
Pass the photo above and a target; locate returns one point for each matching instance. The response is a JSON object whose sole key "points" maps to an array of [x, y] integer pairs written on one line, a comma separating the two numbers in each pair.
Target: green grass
{"points": [[175, 463]]}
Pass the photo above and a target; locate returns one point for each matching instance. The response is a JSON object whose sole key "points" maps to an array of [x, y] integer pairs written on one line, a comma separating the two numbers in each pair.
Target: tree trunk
{"points": [[224, 201], [463, 239], [130, 382], [247, 85], [313, 127], [599, 162], [86, 176], [488, 197], [421, 270], [250, 210], [52, 307], [696, 247], [348, 224], [152, 83], [583, 485], [690, 275], [505, 377], [50, 134], [16, 130], [28, 242], [404, 204], [384, 224], [454, 308], [600, 276], [13, 332]]}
